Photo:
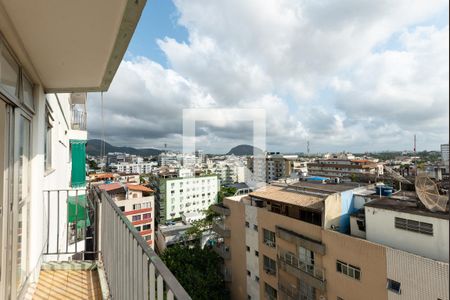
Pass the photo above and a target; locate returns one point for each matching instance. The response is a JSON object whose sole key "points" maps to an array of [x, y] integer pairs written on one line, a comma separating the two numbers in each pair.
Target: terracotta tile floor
{"points": [[68, 284]]}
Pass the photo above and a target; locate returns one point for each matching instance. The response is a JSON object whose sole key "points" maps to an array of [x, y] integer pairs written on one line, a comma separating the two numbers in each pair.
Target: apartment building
{"points": [[51, 54], [136, 202], [135, 168], [345, 168], [445, 154], [177, 196], [298, 243]]}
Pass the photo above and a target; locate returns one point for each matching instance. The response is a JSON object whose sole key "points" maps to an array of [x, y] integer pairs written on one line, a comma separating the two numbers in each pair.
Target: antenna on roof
{"points": [[428, 194]]}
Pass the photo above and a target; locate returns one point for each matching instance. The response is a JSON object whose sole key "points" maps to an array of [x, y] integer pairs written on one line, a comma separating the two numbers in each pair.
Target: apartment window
{"points": [[122, 208], [310, 217], [146, 227], [9, 76], [248, 249], [271, 293], [138, 228], [393, 286], [148, 237], [247, 224], [269, 238], [348, 270], [136, 218], [415, 226], [270, 266], [146, 216], [256, 253], [136, 206], [255, 227]]}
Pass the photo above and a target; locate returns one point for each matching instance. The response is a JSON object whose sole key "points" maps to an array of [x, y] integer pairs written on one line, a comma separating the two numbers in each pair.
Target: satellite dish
{"points": [[428, 194]]}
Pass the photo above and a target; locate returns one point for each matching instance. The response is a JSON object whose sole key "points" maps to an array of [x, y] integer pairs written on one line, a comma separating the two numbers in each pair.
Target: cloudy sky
{"points": [[354, 75]]}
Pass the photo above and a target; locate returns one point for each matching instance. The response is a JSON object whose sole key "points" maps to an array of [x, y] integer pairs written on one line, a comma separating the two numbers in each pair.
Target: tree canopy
{"points": [[197, 270]]}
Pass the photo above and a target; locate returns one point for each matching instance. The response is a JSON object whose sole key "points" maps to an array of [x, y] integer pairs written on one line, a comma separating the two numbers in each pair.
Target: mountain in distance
{"points": [[241, 150], [93, 147]]}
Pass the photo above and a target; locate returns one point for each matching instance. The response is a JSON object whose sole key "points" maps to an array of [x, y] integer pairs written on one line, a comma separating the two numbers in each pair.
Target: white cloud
{"points": [[341, 74]]}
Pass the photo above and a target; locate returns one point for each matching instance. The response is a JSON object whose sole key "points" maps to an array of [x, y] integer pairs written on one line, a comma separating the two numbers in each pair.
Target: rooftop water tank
{"points": [[384, 190]]}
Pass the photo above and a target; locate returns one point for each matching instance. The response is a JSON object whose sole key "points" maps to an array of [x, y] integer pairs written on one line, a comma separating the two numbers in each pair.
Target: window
{"points": [[271, 293], [122, 208], [348, 270], [148, 237], [138, 228], [393, 286], [269, 238], [415, 226], [248, 249], [146, 227], [247, 224], [256, 253], [270, 266], [9, 75], [249, 273], [146, 216], [136, 218], [255, 227], [136, 206]]}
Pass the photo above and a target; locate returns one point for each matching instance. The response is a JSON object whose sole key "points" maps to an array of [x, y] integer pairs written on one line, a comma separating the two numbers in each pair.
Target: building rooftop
{"points": [[407, 203], [110, 186], [140, 188], [290, 196], [327, 188]]}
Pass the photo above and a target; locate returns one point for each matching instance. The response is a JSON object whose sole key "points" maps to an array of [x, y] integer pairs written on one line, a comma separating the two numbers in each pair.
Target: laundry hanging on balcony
{"points": [[78, 149], [78, 211]]}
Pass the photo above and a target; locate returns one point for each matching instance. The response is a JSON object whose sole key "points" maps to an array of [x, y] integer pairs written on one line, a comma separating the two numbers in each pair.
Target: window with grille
{"points": [[415, 226], [269, 238], [270, 266]]}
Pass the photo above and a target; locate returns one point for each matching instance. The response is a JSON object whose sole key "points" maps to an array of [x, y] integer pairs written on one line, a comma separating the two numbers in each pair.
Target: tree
{"points": [[197, 270], [200, 226], [226, 192]]}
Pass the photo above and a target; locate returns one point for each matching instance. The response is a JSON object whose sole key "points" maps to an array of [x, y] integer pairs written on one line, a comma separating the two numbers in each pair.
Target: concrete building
{"points": [[139, 168], [137, 203], [298, 243], [345, 168], [177, 196]]}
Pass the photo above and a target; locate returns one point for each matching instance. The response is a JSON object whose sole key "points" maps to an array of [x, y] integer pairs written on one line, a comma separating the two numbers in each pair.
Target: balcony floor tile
{"points": [[68, 284]]}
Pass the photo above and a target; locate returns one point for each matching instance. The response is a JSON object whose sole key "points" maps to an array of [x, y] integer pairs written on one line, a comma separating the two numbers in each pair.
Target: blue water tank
{"points": [[384, 190]]}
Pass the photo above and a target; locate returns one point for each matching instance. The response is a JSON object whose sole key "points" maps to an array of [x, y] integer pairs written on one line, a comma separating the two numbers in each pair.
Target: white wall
{"points": [[380, 228], [251, 240], [420, 278]]}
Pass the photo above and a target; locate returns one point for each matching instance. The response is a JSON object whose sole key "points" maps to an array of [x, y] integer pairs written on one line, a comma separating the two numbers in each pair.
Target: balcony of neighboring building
{"points": [[221, 249], [94, 252], [220, 209], [300, 240], [78, 113], [221, 229], [302, 268]]}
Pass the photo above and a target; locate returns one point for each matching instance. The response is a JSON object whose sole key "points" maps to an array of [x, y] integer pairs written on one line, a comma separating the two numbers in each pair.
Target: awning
{"points": [[78, 211], [78, 149]]}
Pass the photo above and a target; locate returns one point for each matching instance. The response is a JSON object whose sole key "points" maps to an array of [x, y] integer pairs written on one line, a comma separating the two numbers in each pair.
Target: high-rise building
{"points": [[331, 241], [445, 156]]}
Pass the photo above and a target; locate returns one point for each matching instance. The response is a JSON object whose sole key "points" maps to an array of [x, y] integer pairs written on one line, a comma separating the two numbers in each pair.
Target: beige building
{"points": [[297, 245]]}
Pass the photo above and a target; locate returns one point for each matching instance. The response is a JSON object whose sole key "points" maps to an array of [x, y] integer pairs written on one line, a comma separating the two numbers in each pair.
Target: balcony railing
{"points": [[288, 292], [101, 232], [222, 250], [310, 273], [220, 209], [220, 228]]}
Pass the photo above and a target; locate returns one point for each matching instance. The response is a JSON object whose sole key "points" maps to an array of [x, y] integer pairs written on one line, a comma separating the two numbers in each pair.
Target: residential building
{"points": [[138, 167], [345, 168], [177, 196], [51, 54], [137, 203], [445, 153], [298, 242]]}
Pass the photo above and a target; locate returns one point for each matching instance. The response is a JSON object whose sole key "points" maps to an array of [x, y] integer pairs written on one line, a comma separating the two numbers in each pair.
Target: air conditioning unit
{"points": [[270, 244], [335, 227]]}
